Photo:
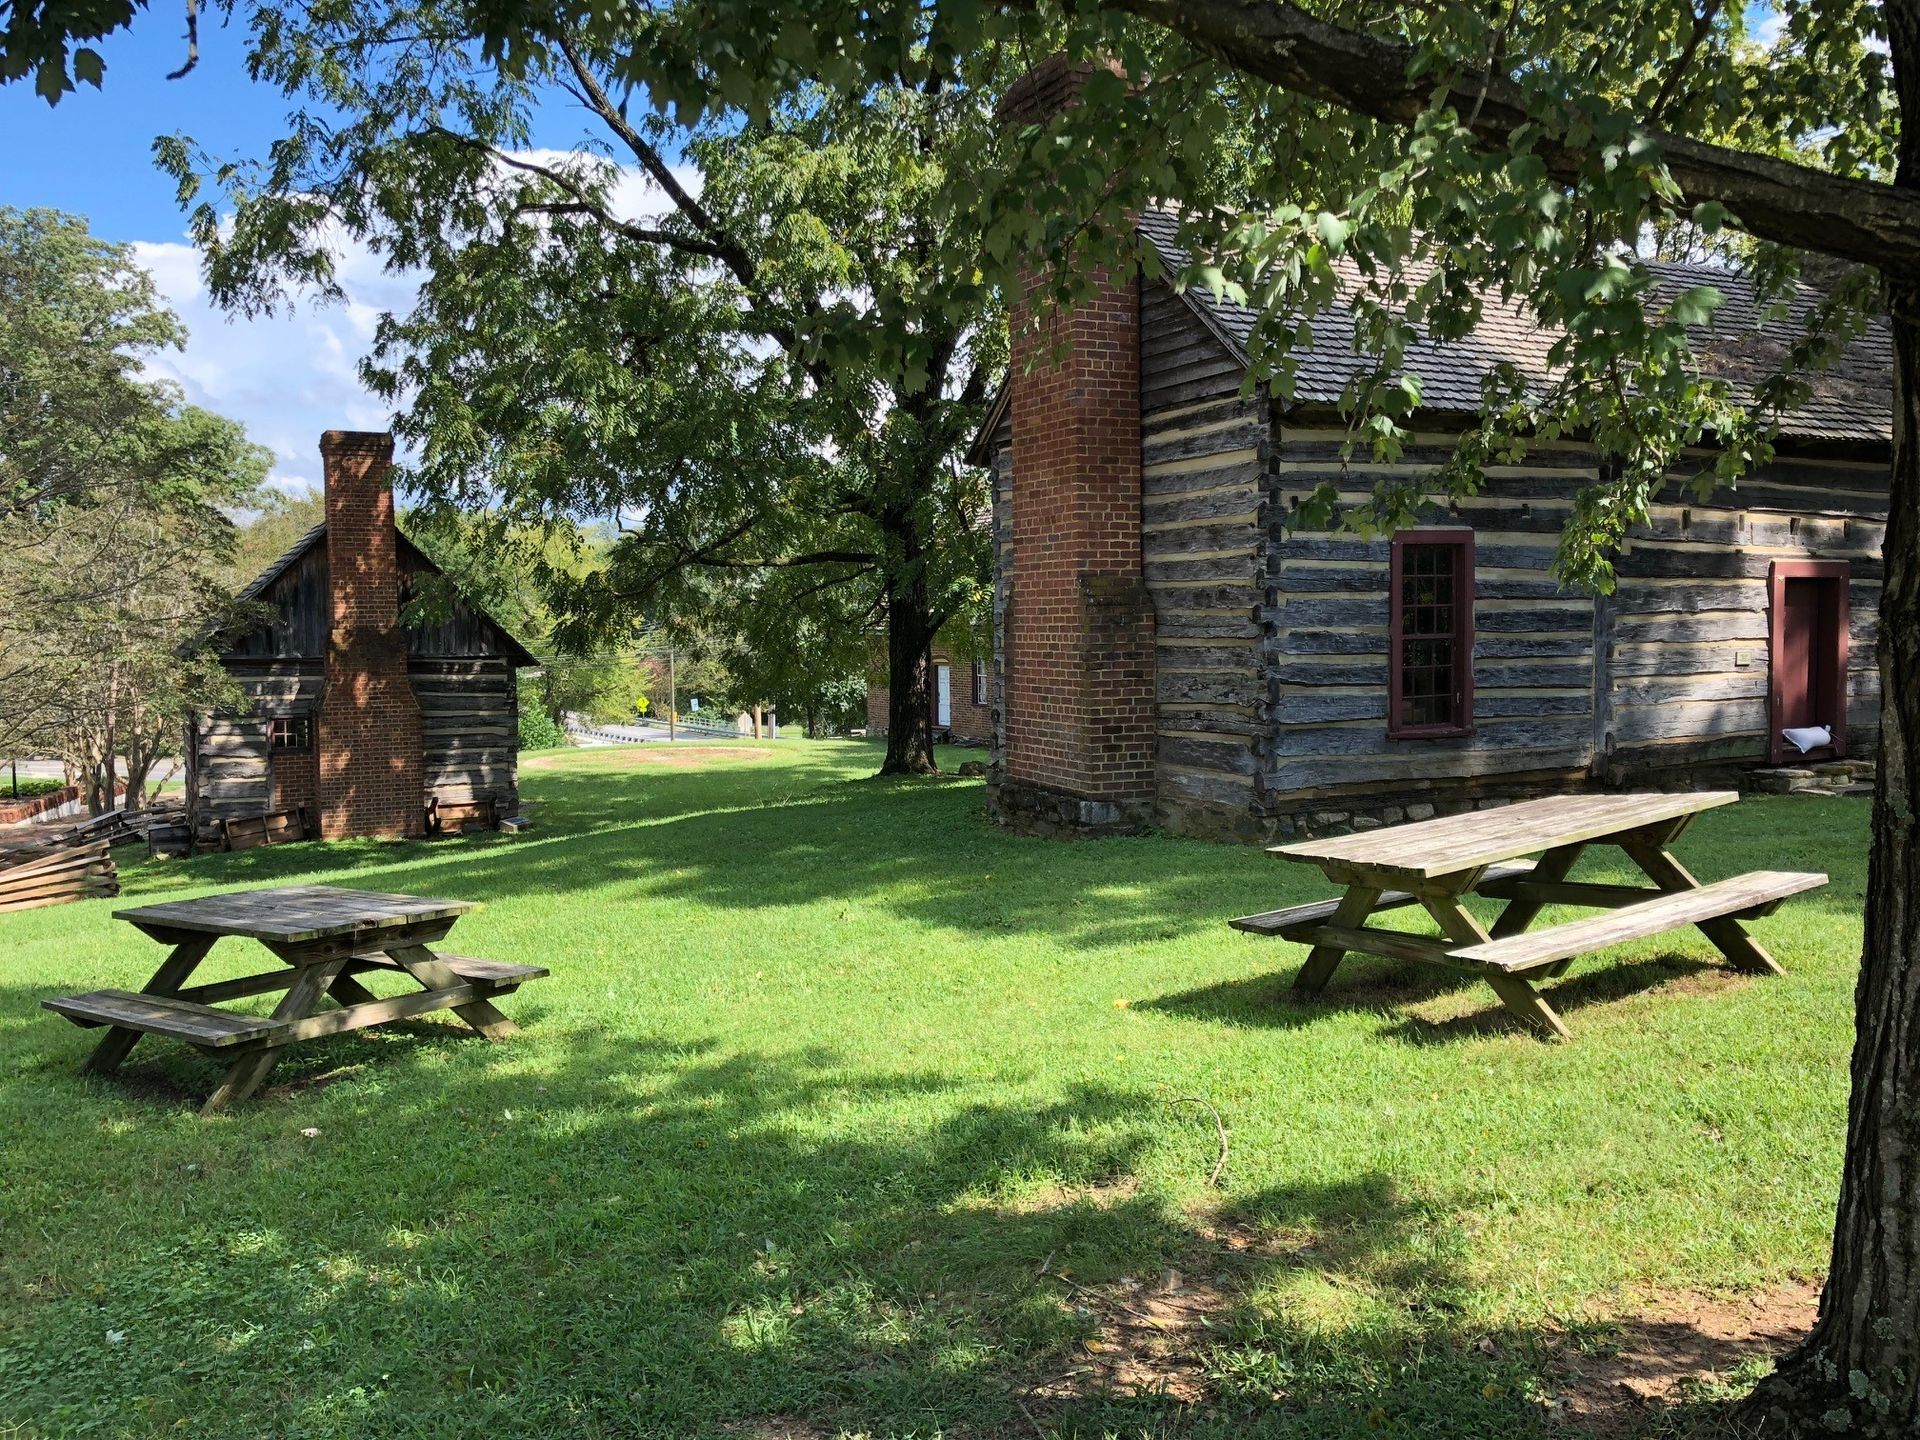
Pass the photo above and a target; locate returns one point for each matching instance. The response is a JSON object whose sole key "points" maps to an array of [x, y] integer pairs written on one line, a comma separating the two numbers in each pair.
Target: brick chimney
{"points": [[1078, 630], [368, 737]]}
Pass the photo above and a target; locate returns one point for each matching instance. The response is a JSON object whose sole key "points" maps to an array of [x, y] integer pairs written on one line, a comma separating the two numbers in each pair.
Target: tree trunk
{"points": [[140, 763], [1858, 1372], [909, 678], [1861, 1363]]}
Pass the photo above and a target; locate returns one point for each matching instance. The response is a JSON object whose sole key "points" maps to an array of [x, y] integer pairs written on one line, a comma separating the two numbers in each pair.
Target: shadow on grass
{"points": [[665, 1239], [759, 836], [810, 827], [1386, 989], [652, 1238], [746, 842]]}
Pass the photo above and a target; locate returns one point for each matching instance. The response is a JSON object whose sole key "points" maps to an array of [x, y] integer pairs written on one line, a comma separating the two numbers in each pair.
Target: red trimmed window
{"points": [[1430, 677]]}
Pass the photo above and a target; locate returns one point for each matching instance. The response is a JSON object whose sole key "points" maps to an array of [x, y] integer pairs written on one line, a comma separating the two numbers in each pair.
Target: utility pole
{"points": [[673, 697]]}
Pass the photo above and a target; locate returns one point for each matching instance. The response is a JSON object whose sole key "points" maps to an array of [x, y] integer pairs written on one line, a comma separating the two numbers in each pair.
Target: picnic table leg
{"points": [[349, 991], [1555, 865], [433, 973], [1355, 906], [301, 1000], [1741, 950], [1520, 998], [174, 971]]}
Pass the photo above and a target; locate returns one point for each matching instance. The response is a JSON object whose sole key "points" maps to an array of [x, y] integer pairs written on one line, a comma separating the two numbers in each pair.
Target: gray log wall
{"points": [[229, 765], [470, 727], [1681, 677], [1204, 511], [1326, 650]]}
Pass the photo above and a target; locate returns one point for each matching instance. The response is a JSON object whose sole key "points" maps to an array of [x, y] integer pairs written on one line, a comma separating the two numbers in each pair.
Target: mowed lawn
{"points": [[843, 1110]]}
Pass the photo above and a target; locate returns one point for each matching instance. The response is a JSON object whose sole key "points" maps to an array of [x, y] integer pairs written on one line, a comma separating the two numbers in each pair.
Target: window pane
{"points": [[1429, 632]]}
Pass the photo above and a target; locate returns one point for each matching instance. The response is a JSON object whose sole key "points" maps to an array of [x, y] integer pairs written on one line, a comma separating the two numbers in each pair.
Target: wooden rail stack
{"points": [[53, 877]]}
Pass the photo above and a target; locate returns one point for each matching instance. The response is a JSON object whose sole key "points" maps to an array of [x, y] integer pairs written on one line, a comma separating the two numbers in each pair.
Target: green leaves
{"points": [[1695, 306], [88, 67]]}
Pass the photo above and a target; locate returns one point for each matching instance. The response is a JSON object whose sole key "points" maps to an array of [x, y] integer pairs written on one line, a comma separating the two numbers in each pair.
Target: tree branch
{"points": [[1670, 85], [1796, 205], [193, 42], [727, 248], [817, 557], [642, 234], [730, 252]]}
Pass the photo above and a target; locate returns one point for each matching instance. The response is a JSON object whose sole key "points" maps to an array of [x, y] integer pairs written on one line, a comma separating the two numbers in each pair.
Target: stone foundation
{"points": [[1034, 810]]}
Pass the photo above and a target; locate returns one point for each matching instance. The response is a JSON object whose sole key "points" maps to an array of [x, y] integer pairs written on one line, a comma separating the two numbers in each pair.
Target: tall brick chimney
{"points": [[1078, 630], [368, 738]]}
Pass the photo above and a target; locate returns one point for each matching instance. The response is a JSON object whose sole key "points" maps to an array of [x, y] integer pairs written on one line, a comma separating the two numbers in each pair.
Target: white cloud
{"points": [[1765, 25], [290, 376], [286, 377]]}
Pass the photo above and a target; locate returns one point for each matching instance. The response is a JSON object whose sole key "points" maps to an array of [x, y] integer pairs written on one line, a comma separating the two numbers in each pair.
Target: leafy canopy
{"points": [[1407, 213], [748, 344]]}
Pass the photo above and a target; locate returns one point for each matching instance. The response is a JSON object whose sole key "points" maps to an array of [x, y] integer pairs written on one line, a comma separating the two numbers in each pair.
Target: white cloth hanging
{"points": [[1808, 737]]}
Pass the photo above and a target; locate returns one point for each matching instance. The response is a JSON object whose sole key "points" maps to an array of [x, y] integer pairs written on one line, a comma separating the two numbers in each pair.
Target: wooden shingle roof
{"points": [[1851, 402], [261, 584]]}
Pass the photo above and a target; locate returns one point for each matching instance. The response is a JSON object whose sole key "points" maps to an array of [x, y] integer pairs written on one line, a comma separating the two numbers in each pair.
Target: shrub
{"points": [[538, 729]]}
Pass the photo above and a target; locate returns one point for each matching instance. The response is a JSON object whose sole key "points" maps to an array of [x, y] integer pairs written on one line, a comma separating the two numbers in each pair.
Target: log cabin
{"points": [[1171, 649], [366, 724]]}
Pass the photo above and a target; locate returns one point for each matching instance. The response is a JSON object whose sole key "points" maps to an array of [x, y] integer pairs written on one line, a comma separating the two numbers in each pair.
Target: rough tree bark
{"points": [[1861, 1363], [910, 631]]}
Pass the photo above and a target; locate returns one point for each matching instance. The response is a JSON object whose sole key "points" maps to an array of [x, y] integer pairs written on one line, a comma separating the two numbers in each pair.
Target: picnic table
{"points": [[327, 938], [1436, 863]]}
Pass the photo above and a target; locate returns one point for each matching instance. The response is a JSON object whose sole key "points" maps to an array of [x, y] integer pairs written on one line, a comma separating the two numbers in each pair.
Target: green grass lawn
{"points": [[832, 1084]]}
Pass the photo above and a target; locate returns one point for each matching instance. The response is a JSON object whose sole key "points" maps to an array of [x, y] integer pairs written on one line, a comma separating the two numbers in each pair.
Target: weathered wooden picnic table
{"points": [[327, 937], [1436, 863]]}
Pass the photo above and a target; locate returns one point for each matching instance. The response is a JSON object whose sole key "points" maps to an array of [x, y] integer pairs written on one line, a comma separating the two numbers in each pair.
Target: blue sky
{"points": [[90, 154], [287, 378]]}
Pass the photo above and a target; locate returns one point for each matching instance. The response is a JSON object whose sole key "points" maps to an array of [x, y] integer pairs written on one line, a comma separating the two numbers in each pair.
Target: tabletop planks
{"points": [[1452, 843], [294, 913]]}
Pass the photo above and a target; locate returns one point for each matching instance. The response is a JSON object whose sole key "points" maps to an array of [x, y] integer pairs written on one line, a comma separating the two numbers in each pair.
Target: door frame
{"points": [[1781, 571]]}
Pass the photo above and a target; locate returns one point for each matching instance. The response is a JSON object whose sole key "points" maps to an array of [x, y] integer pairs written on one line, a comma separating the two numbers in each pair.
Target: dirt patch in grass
{"points": [[1102, 1194], [780, 1427], [669, 756], [1150, 1334], [1676, 1345], [1149, 1337]]}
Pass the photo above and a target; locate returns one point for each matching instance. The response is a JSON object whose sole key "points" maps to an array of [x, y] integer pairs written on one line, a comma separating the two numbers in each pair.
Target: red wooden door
{"points": [[1801, 633], [1808, 649]]}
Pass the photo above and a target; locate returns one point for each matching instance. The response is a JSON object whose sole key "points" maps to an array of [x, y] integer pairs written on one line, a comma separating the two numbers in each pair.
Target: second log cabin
{"points": [[364, 722]]}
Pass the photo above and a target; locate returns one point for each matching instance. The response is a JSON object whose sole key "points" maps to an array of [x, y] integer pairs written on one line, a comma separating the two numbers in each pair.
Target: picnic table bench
{"points": [[326, 937], [1436, 863]]}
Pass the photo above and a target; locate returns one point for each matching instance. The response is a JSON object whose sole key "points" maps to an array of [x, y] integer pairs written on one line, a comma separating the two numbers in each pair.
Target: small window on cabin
{"points": [[295, 733], [1430, 679], [979, 682]]}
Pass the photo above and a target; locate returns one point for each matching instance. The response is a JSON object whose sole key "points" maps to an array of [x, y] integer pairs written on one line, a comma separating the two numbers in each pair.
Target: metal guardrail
{"points": [[684, 729]]}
